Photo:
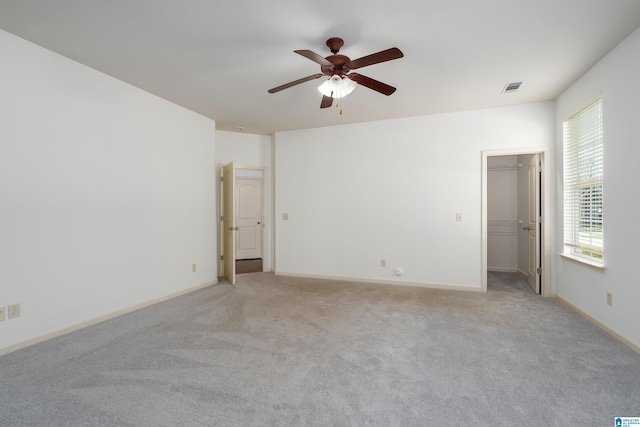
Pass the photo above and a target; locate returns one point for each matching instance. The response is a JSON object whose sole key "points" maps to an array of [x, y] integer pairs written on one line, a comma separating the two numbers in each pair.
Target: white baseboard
{"points": [[100, 319], [384, 282], [635, 347]]}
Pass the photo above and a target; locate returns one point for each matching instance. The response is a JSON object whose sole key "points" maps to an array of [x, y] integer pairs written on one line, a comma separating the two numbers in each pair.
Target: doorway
{"points": [[514, 216], [242, 219], [249, 217]]}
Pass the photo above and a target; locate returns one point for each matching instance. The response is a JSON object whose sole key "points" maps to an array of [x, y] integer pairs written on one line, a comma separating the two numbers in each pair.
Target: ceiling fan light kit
{"points": [[337, 87], [337, 67]]}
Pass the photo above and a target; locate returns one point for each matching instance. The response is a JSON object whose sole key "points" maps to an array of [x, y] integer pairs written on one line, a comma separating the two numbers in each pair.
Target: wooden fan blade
{"points": [[326, 101], [295, 82], [383, 88], [314, 57], [376, 58]]}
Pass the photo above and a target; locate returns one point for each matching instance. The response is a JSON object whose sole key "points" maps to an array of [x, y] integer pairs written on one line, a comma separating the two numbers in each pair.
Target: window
{"points": [[583, 168]]}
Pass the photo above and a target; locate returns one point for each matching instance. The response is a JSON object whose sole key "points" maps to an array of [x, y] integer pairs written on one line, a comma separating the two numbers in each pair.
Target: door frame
{"points": [[546, 213], [263, 213], [534, 189], [227, 207]]}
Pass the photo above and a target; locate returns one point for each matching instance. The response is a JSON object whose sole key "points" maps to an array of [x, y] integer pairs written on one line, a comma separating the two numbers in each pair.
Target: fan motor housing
{"points": [[339, 65]]}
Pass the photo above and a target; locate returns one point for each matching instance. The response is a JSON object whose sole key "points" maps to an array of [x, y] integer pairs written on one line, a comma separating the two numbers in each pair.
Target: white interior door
{"points": [[534, 224], [228, 176], [248, 213]]}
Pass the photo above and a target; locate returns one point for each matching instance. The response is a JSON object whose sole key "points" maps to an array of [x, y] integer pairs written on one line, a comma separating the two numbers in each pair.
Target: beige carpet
{"points": [[274, 351]]}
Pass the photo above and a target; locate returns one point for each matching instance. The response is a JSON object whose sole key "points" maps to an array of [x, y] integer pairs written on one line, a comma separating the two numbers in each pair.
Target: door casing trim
{"points": [[263, 214], [545, 188]]}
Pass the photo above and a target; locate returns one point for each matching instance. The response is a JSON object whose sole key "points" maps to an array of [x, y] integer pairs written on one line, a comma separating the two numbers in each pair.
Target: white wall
{"points": [[106, 194], [390, 190], [616, 75], [243, 148], [502, 208], [250, 150]]}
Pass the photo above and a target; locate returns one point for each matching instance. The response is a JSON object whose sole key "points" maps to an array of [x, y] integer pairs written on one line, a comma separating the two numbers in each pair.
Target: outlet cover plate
{"points": [[13, 311]]}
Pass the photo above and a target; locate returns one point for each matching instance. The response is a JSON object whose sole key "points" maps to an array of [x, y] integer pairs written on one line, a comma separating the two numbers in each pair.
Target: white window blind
{"points": [[583, 173]]}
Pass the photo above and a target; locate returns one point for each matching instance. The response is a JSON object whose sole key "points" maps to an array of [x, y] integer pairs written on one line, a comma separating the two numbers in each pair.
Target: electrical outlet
{"points": [[193, 268], [13, 311], [383, 263], [285, 216], [609, 298], [459, 217], [1, 314]]}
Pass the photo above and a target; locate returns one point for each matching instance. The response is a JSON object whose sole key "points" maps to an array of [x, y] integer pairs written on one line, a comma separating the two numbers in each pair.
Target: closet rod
{"points": [[514, 166]]}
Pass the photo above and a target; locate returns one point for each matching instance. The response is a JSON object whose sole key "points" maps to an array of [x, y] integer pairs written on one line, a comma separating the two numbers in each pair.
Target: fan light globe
{"points": [[337, 87]]}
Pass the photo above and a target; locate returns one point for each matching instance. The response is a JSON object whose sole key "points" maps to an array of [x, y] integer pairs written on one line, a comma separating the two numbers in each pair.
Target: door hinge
{"points": [[539, 270], [539, 220], [222, 179], [221, 218], [539, 168], [221, 257]]}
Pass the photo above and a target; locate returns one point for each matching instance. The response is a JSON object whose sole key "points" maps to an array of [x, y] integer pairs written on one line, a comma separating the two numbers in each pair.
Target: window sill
{"points": [[591, 264]]}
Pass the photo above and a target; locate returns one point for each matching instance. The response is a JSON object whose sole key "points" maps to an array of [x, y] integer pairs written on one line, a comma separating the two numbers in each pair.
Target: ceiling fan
{"points": [[338, 67]]}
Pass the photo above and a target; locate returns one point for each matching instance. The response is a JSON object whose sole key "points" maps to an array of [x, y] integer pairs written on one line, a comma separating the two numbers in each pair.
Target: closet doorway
{"points": [[515, 210]]}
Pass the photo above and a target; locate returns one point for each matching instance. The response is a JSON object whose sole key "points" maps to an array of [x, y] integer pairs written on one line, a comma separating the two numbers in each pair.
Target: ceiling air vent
{"points": [[512, 87]]}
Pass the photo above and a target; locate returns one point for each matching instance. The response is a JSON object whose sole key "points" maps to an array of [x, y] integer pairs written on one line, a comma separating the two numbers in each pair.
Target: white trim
{"points": [[466, 288], [263, 210], [100, 319], [545, 153], [264, 215], [582, 106], [633, 346], [584, 261], [582, 139], [245, 173]]}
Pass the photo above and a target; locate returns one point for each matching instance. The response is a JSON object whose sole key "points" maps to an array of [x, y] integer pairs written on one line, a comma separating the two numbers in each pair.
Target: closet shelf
{"points": [[504, 221]]}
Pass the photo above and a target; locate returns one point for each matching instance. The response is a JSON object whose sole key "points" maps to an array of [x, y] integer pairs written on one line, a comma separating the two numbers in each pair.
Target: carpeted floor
{"points": [[287, 351]]}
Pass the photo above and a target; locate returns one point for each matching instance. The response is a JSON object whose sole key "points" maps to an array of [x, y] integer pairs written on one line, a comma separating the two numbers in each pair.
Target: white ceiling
{"points": [[219, 57]]}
